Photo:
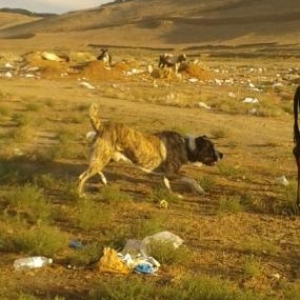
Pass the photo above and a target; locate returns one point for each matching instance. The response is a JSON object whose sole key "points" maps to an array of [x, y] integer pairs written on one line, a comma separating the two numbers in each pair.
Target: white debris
{"points": [[277, 84], [282, 180], [276, 276], [193, 80], [203, 105], [50, 56], [218, 81], [87, 85], [8, 75], [231, 95], [252, 111], [9, 66], [250, 100]]}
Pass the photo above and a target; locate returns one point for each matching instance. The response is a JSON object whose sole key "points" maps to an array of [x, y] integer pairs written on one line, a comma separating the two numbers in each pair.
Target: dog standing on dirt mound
{"points": [[162, 153], [296, 149]]}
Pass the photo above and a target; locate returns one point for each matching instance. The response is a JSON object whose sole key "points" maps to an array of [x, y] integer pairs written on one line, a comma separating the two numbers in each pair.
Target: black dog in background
{"points": [[296, 149]]}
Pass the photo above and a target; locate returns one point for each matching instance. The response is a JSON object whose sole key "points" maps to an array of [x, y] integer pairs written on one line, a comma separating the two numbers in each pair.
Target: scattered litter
{"points": [[110, 262], [203, 105], [193, 80], [252, 111], [282, 180], [31, 262], [9, 66], [18, 152], [8, 75], [276, 276], [250, 100], [50, 56], [87, 85], [218, 81], [231, 95], [75, 245], [163, 203], [144, 268]]}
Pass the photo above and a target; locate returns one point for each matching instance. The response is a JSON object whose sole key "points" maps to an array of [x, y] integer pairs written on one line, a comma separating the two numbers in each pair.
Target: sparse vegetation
{"points": [[240, 237]]}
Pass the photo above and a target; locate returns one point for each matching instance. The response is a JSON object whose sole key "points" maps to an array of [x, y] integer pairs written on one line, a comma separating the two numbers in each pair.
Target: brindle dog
{"points": [[163, 153]]}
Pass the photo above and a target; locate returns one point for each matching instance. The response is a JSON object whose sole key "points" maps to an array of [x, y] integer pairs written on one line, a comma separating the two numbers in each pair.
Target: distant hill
{"points": [[25, 12], [161, 23]]}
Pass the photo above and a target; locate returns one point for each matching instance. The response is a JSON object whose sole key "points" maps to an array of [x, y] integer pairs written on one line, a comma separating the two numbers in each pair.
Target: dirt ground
{"points": [[256, 139]]}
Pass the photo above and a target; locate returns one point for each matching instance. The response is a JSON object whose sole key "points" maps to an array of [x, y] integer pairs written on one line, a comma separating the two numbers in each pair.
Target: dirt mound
{"points": [[46, 68], [198, 71]]}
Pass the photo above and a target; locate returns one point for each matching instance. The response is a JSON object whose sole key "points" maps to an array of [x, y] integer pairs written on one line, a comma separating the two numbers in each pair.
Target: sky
{"points": [[52, 6]]}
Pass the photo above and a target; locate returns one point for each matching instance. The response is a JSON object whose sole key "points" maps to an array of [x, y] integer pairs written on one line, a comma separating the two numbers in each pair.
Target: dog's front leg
{"points": [[193, 184]]}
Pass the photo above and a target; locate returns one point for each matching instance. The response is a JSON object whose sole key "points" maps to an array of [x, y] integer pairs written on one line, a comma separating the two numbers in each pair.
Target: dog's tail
{"points": [[296, 108], [95, 117]]}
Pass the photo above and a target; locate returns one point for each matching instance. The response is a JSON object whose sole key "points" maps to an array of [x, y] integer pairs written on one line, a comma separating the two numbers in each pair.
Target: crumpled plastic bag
{"points": [[160, 237], [111, 263]]}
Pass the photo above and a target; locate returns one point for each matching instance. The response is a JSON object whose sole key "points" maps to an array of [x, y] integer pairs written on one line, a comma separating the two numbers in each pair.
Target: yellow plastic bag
{"points": [[111, 263]]}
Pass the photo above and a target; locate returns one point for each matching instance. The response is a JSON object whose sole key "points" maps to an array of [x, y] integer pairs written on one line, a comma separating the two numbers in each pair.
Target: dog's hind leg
{"points": [[90, 172], [103, 178]]}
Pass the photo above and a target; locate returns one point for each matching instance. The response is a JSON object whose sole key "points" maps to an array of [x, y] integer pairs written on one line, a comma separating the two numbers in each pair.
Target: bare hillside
{"points": [[12, 19], [166, 22]]}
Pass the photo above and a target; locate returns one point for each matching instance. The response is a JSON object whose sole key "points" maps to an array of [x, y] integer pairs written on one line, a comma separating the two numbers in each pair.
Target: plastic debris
{"points": [[250, 100], [282, 180], [31, 262], [163, 203], [110, 262], [87, 85], [203, 105], [164, 237], [75, 245]]}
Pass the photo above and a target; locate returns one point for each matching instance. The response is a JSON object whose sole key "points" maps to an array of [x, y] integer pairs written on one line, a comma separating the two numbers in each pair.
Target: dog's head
{"points": [[201, 149]]}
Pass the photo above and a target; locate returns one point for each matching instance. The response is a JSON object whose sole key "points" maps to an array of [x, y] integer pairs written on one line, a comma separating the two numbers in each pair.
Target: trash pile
{"points": [[136, 255]]}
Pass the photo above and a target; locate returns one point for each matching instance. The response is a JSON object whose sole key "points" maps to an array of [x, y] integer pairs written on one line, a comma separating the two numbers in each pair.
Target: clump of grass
{"points": [[112, 194], [4, 111], [165, 253], [46, 181], [90, 215], [219, 133], [230, 171], [62, 150], [255, 246], [287, 205], [146, 227], [207, 183], [198, 287], [21, 119], [82, 107], [90, 253], [230, 204], [32, 107], [251, 268], [23, 133], [38, 240], [162, 193], [28, 202]]}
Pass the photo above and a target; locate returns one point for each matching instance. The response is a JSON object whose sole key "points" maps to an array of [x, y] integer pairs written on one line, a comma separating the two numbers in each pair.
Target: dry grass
{"points": [[237, 236]]}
